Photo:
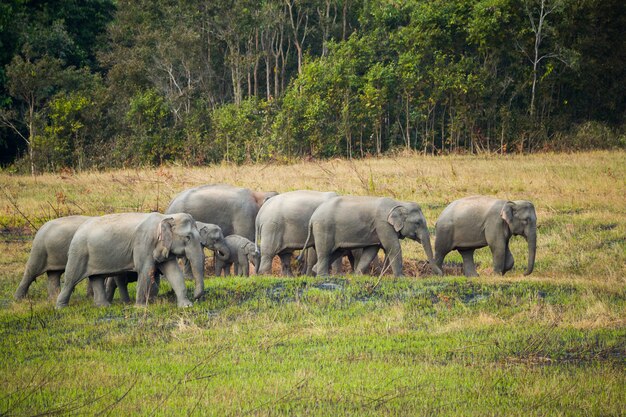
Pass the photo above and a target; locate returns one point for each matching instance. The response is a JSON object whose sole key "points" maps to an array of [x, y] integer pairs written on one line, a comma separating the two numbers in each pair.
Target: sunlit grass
{"points": [[552, 343]]}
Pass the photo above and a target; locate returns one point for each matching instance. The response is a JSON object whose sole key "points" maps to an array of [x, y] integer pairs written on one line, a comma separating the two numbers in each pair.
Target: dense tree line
{"points": [[103, 83]]}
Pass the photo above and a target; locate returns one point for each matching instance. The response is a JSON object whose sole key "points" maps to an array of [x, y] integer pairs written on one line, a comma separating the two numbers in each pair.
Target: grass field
{"points": [[552, 343]]}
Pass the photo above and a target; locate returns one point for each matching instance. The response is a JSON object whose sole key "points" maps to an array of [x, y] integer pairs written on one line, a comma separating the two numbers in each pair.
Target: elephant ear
{"points": [[250, 248], [507, 214], [397, 216], [165, 238]]}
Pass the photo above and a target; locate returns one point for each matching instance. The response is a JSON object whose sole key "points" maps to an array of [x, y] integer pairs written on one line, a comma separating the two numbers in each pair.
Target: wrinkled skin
{"points": [[369, 223], [211, 237], [281, 227], [147, 244], [475, 222], [233, 209], [242, 254]]}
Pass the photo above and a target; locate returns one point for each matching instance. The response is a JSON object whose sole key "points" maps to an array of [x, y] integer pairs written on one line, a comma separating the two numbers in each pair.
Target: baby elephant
{"points": [[242, 252]]}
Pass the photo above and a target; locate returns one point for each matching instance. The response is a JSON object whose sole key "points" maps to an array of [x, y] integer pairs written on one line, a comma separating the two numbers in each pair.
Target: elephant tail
{"points": [[306, 243], [257, 234]]}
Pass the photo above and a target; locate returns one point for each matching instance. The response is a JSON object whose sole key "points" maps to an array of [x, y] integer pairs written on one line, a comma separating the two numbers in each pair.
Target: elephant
{"points": [[242, 253], [233, 209], [49, 254], [281, 227], [140, 242], [474, 222], [211, 237], [370, 223]]}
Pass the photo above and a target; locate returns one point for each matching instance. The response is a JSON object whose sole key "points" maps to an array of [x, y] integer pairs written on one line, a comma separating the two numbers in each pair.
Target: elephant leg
{"points": [[337, 266], [54, 284], [508, 261], [311, 260], [109, 288], [99, 296], [353, 257], [498, 251], [74, 273], [367, 256], [174, 275], [442, 246], [469, 268], [266, 264], [227, 268], [244, 268], [285, 261], [218, 267], [121, 281], [187, 269], [90, 293]]}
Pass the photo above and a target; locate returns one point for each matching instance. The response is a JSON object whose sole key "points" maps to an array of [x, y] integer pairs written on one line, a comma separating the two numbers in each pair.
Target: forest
{"points": [[101, 84]]}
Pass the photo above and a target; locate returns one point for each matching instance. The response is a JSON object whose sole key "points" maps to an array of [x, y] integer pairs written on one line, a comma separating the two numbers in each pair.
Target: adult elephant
{"points": [[370, 223], [475, 222], [211, 237], [49, 254], [281, 226], [142, 242], [233, 209]]}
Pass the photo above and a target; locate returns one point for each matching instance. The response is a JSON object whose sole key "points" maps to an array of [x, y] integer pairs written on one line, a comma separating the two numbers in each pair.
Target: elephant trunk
{"points": [[222, 252], [195, 255], [425, 238], [531, 238]]}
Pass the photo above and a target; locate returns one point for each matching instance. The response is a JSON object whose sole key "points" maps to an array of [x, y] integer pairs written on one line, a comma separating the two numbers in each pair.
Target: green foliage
{"points": [[148, 118], [245, 81], [242, 132]]}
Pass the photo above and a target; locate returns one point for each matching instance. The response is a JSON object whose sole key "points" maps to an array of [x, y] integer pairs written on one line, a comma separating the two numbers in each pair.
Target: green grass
{"points": [[354, 345], [552, 343]]}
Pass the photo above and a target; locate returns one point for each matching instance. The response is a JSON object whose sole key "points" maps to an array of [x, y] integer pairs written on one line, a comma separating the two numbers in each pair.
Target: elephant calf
{"points": [[241, 252], [475, 222]]}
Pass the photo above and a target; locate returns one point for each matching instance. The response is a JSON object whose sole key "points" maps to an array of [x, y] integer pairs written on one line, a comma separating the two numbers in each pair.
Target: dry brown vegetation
{"points": [[579, 197]]}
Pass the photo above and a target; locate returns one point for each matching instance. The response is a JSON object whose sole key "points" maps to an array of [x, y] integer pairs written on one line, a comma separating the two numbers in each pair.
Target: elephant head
{"points": [[254, 256], [521, 219], [178, 235], [212, 238], [408, 220]]}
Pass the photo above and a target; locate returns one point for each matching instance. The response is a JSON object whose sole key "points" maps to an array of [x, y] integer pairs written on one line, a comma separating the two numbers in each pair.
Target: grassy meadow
{"points": [[552, 343]]}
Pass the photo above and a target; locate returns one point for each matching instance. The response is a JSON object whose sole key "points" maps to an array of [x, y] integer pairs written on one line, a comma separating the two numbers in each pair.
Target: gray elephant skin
{"points": [[142, 242], [478, 221], [49, 254], [233, 209], [370, 223], [211, 237], [282, 227], [242, 253]]}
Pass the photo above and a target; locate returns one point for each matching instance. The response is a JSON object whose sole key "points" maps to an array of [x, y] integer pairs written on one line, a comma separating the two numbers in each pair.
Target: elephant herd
{"points": [[243, 226]]}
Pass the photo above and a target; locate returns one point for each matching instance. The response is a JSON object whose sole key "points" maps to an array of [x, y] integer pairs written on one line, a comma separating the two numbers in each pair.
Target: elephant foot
{"points": [[103, 304], [436, 270], [59, 306], [185, 304], [198, 295]]}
